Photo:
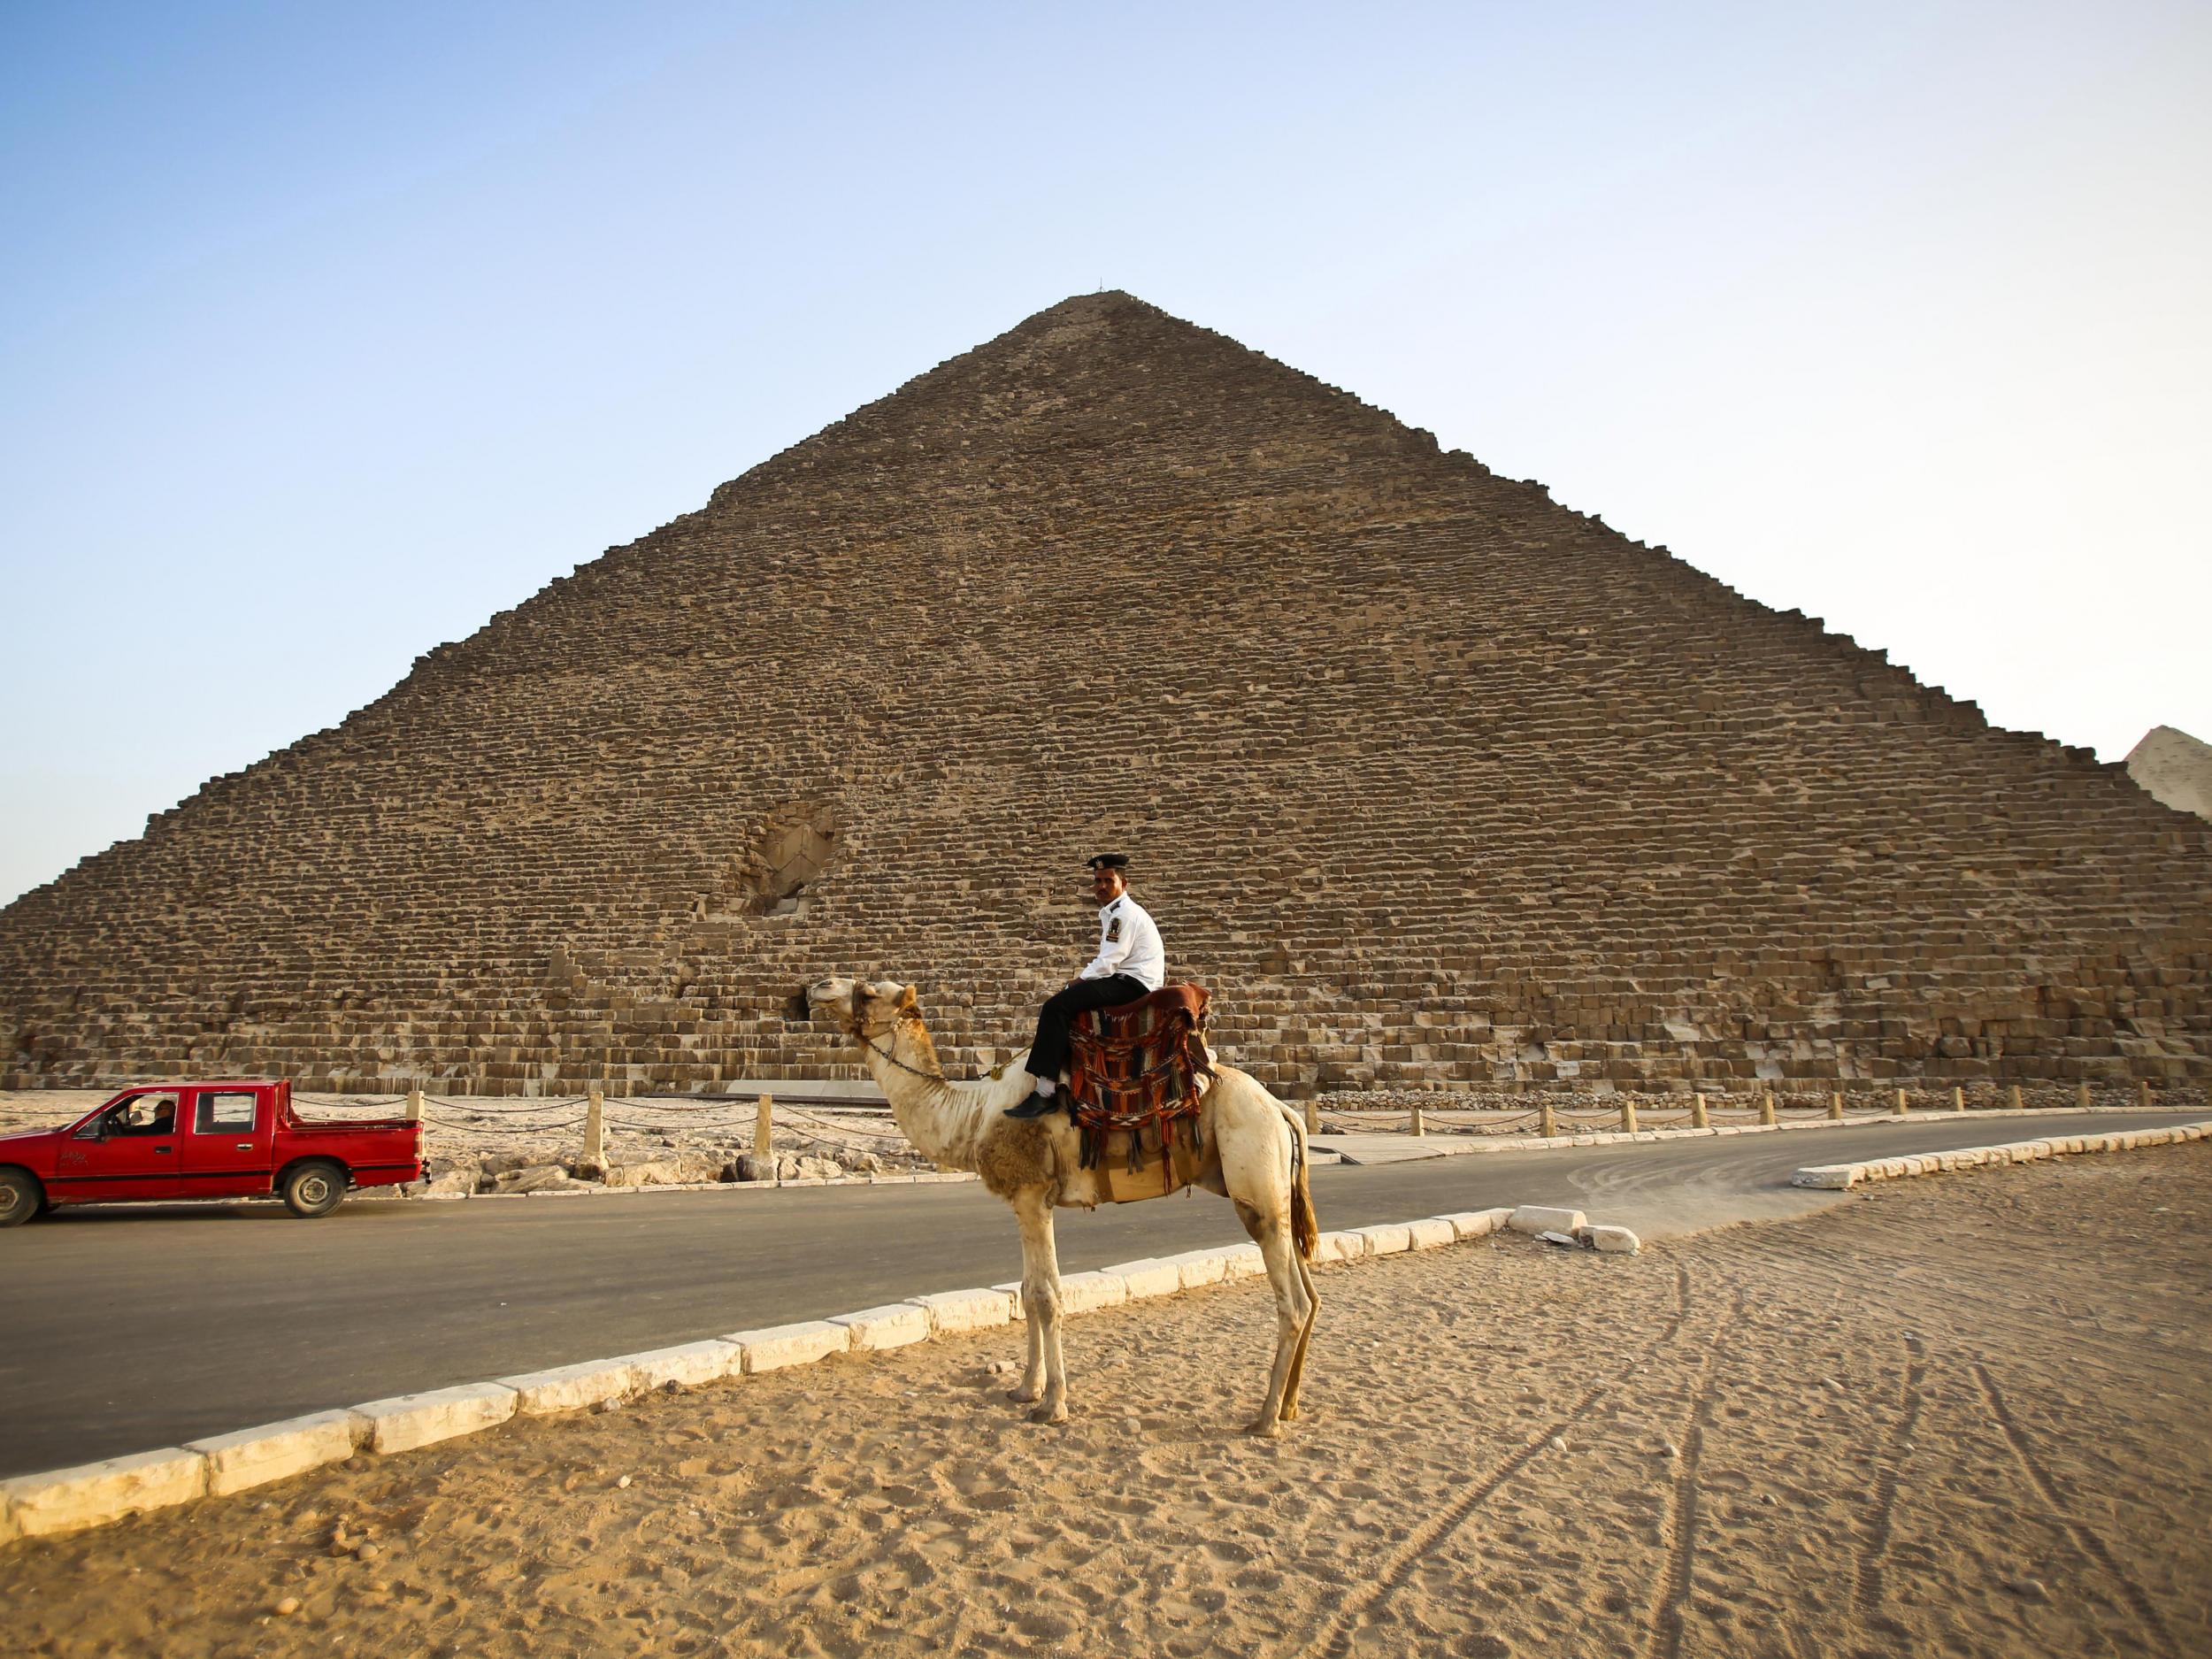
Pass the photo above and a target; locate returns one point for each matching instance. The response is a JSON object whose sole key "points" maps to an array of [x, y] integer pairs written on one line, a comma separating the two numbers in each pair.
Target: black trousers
{"points": [[1048, 1049]]}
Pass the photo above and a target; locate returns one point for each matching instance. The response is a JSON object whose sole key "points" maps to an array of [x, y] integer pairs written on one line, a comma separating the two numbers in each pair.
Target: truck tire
{"points": [[20, 1197], [314, 1188]]}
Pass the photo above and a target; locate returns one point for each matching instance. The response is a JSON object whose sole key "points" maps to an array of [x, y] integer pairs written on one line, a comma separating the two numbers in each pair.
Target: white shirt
{"points": [[1128, 944]]}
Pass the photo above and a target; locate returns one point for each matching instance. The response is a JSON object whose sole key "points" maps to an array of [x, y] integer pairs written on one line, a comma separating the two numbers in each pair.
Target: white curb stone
{"points": [[1243, 1261], [1339, 1247], [1386, 1241], [1430, 1233], [1477, 1223], [774, 1347], [952, 1310], [406, 1420], [1841, 1176], [1149, 1278], [93, 1495], [893, 1326], [540, 1393], [1546, 1218], [687, 1365], [1614, 1240], [249, 1457], [1086, 1292], [1014, 1290], [1196, 1268]]}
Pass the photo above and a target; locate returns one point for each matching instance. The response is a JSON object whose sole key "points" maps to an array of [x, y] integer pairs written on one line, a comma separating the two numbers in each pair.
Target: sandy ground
{"points": [[1958, 1416]]}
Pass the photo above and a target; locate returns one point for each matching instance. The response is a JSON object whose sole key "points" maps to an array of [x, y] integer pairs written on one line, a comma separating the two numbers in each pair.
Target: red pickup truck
{"points": [[237, 1139]]}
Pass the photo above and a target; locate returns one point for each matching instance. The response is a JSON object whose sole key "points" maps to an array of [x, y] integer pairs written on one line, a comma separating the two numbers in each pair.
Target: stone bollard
{"points": [[2081, 1094], [1417, 1128], [2145, 1084], [1697, 1112], [1766, 1107], [1628, 1116], [1835, 1106], [764, 1130], [1313, 1119], [1547, 1126], [2016, 1097], [1958, 1098], [1901, 1103], [595, 1128], [414, 1104]]}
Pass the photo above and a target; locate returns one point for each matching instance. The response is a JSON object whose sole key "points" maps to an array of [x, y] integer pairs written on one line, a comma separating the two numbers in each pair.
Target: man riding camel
{"points": [[1130, 963]]}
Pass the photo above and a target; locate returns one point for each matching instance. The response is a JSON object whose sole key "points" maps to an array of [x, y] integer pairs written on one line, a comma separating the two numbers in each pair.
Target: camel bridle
{"points": [[860, 1036]]}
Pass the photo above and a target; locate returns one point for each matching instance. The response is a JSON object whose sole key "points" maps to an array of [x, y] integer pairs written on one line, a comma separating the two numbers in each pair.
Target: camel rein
{"points": [[932, 1077]]}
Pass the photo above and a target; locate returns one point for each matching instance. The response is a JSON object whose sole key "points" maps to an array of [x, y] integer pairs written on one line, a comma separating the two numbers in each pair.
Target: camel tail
{"points": [[1305, 1227]]}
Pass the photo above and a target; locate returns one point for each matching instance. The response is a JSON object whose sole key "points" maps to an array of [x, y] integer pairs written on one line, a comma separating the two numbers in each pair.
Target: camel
{"points": [[1253, 1153]]}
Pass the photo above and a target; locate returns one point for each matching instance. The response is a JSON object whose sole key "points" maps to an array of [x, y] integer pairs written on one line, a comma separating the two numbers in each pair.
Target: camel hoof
{"points": [[1265, 1428], [1046, 1414], [1022, 1397], [1290, 1414]]}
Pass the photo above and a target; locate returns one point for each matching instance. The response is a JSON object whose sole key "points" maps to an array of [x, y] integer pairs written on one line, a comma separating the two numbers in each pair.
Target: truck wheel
{"points": [[20, 1197], [314, 1189]]}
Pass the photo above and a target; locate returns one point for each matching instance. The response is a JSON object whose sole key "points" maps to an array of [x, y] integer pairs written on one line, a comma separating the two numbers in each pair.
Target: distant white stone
{"points": [[1429, 1234], [1546, 1218], [1386, 1241]]}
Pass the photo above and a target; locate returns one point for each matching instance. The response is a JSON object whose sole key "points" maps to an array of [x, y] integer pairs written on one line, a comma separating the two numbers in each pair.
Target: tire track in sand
{"points": [[1333, 1638], [2086, 1537], [1881, 1515], [1682, 1503]]}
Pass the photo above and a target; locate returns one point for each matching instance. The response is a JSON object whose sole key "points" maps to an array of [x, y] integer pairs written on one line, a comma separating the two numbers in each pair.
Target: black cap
{"points": [[1110, 860]]}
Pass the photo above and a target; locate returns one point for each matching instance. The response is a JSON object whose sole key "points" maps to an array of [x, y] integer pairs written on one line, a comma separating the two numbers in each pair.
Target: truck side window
{"points": [[225, 1112], [153, 1114]]}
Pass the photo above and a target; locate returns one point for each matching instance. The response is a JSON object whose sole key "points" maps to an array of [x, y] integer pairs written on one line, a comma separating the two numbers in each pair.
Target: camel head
{"points": [[860, 1008]]}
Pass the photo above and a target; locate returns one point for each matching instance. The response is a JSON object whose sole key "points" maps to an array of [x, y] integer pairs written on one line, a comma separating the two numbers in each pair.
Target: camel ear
{"points": [[907, 1003]]}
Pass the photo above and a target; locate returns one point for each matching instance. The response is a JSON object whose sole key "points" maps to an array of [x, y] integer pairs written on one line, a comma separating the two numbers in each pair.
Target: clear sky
{"points": [[326, 331]]}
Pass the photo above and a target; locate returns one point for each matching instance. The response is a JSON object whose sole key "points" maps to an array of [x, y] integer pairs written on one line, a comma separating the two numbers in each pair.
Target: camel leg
{"points": [[1293, 1309], [1040, 1309], [1305, 1335]]}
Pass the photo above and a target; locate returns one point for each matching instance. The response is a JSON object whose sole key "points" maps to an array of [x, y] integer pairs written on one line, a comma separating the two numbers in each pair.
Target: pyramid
{"points": [[1435, 783], [2176, 769]]}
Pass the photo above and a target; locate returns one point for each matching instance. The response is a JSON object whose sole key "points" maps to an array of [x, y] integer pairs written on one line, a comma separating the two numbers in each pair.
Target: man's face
{"points": [[1108, 884]]}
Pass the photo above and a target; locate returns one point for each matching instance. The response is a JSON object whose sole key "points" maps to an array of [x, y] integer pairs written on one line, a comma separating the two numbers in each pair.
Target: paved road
{"points": [[126, 1329]]}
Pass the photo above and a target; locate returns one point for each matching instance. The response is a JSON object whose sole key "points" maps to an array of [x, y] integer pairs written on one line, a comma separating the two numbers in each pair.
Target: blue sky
{"points": [[325, 331]]}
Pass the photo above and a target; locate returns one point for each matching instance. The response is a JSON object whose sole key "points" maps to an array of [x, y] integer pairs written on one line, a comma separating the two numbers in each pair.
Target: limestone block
{"points": [[687, 1365], [1147, 1277], [1614, 1241], [1014, 1290], [894, 1325], [1339, 1247], [406, 1420], [1429, 1234], [92, 1494], [1195, 1268], [1546, 1218], [1086, 1292], [1389, 1240], [540, 1393], [249, 1457], [777, 1346], [967, 1309], [1478, 1224], [1243, 1261], [1827, 1176]]}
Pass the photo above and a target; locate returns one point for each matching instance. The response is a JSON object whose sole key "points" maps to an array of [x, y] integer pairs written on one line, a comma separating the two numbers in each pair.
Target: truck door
{"points": [[128, 1151], [226, 1146]]}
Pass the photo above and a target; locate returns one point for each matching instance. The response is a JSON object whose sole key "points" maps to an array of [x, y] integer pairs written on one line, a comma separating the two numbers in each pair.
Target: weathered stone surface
{"points": [[536, 1178], [250, 1457], [1386, 1241], [1339, 1247], [1243, 1261], [1827, 1176], [1614, 1240], [1429, 1234], [1147, 1277], [1477, 1223], [951, 1311], [332, 913], [776, 1347], [92, 1494], [687, 1364], [540, 1393], [406, 1420], [1546, 1218], [1196, 1268], [892, 1327], [1086, 1292]]}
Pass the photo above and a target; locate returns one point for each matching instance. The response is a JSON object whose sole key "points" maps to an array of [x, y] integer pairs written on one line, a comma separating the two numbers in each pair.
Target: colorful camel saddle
{"points": [[1135, 1074]]}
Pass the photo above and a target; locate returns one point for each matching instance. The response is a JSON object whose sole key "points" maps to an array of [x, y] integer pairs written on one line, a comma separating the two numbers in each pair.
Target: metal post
{"points": [[595, 1128], [1697, 1112], [765, 1130]]}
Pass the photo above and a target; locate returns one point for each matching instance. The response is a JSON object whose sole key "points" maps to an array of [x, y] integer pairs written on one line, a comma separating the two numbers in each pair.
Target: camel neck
{"points": [[939, 1117]]}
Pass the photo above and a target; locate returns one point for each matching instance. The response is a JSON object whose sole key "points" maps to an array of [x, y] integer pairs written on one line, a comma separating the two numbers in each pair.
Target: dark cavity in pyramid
{"points": [[1435, 782]]}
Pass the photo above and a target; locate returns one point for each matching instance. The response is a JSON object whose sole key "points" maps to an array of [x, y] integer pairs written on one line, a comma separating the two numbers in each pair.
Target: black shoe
{"points": [[1036, 1106]]}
